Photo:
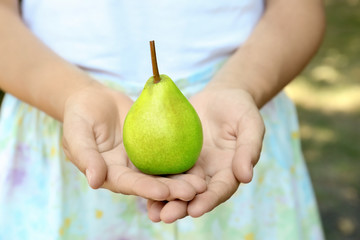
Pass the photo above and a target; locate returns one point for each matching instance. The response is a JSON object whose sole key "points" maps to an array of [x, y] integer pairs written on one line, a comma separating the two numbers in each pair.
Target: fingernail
{"points": [[88, 176]]}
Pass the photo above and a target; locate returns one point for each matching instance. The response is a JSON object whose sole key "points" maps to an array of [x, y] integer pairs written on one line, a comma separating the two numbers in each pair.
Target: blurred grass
{"points": [[327, 95]]}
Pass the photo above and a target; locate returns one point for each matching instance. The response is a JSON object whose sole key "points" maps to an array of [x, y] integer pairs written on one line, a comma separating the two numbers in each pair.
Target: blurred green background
{"points": [[327, 95]]}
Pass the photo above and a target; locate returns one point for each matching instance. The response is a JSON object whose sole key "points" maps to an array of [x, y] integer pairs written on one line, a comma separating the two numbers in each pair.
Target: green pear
{"points": [[162, 132]]}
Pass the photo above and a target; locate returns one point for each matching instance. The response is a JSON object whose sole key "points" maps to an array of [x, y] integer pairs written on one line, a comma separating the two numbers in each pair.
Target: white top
{"points": [[112, 37]]}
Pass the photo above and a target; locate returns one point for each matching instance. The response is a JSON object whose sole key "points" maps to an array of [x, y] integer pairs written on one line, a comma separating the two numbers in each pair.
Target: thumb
{"points": [[249, 138], [243, 163], [81, 148]]}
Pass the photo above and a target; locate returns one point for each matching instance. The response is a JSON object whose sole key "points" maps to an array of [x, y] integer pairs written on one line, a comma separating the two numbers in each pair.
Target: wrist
{"points": [[250, 84], [69, 89], [95, 97], [250, 73]]}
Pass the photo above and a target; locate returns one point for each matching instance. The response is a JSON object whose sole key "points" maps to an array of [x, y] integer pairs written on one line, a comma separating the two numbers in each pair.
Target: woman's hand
{"points": [[233, 134], [92, 140]]}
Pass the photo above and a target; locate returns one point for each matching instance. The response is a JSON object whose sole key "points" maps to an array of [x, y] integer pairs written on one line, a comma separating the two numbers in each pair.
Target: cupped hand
{"points": [[233, 134], [92, 140]]}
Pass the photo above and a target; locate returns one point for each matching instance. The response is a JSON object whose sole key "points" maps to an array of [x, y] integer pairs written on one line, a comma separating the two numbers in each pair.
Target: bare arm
{"points": [[92, 114], [31, 71], [282, 43]]}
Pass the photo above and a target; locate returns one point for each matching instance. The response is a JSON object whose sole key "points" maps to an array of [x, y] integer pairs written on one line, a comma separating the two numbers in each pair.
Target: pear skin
{"points": [[162, 132]]}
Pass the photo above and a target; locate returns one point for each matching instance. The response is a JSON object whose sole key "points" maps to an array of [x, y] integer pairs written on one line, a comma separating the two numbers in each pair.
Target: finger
{"points": [[173, 211], [149, 186], [80, 147], [250, 135], [154, 208], [179, 189], [121, 179], [220, 188], [197, 170], [124, 180], [197, 182]]}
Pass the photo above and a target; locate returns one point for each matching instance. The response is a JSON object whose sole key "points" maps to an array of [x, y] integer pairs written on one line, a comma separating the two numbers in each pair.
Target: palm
{"points": [[93, 141], [233, 132], [231, 122]]}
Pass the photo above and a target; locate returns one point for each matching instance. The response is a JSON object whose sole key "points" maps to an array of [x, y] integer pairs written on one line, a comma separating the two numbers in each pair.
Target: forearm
{"points": [[31, 71], [283, 42]]}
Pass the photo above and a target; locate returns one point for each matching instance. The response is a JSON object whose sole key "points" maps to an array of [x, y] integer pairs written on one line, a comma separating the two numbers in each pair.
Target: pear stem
{"points": [[154, 62]]}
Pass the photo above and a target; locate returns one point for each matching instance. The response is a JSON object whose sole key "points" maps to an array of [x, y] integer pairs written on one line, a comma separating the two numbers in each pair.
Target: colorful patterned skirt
{"points": [[44, 196]]}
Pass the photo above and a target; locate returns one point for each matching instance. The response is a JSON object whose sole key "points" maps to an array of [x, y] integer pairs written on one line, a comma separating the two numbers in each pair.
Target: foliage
{"points": [[328, 102]]}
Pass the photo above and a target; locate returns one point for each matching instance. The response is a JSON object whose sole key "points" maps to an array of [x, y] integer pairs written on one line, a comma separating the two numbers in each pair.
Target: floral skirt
{"points": [[44, 196]]}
